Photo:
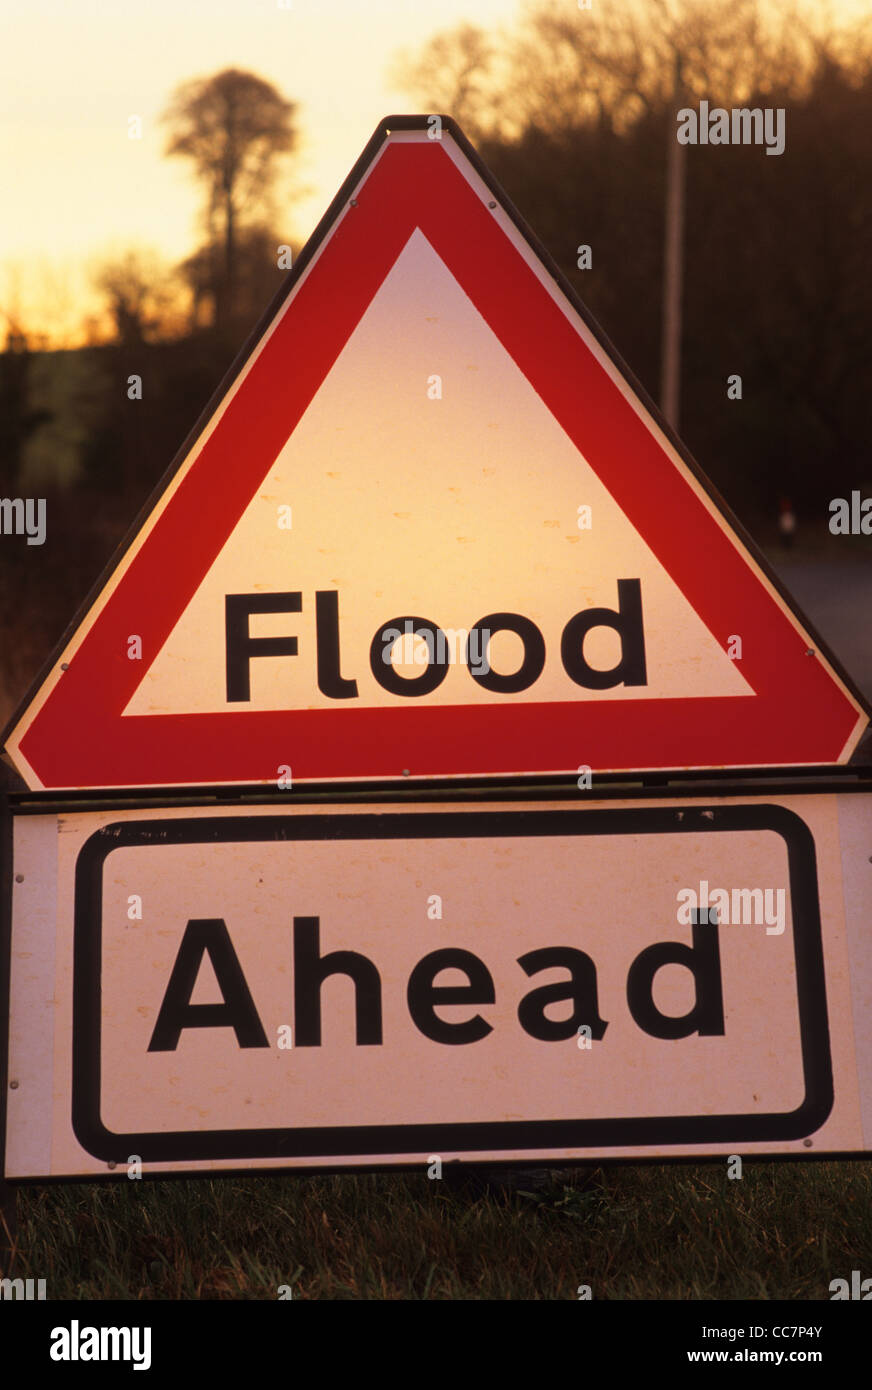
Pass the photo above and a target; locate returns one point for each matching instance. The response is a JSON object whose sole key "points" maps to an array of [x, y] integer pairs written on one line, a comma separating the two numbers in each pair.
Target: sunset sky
{"points": [[76, 188]]}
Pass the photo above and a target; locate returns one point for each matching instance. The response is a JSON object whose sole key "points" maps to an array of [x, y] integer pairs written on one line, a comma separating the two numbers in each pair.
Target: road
{"points": [[836, 597]]}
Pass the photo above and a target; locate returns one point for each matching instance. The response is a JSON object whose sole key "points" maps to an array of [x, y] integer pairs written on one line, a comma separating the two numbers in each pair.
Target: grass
{"points": [[668, 1232]]}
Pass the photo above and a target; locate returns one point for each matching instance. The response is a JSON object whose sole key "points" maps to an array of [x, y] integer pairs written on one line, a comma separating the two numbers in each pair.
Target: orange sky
{"points": [[73, 71]]}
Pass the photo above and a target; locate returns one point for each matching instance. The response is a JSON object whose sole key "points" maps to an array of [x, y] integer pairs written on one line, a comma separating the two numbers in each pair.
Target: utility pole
{"points": [[673, 261]]}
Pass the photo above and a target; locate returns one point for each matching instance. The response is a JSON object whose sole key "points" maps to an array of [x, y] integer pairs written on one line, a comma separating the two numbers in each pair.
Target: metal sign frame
{"points": [[836, 780], [324, 227], [483, 790]]}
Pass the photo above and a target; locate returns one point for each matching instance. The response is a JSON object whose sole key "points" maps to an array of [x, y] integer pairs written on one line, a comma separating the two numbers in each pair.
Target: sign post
{"points": [[8, 1202]]}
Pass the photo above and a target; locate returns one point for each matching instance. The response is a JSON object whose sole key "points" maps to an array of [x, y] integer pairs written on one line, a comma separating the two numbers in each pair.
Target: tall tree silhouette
{"points": [[234, 126]]}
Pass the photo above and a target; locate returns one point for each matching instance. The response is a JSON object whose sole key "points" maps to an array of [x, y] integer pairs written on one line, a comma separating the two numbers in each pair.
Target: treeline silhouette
{"points": [[777, 288]]}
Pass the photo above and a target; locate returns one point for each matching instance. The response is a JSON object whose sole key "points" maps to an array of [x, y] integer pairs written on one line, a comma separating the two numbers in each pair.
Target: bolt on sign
{"points": [[322, 986], [429, 526]]}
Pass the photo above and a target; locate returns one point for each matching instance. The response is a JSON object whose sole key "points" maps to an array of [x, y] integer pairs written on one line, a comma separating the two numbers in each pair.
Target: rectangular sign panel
{"points": [[321, 986]]}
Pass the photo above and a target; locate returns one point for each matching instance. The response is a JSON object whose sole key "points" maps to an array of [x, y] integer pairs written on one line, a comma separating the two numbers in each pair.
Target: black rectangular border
{"points": [[467, 1138]]}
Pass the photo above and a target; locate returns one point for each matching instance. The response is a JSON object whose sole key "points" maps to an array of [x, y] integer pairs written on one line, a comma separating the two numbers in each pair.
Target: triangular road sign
{"points": [[427, 434]]}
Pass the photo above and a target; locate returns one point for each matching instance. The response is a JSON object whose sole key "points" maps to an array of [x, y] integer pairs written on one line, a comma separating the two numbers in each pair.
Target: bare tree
{"points": [[258, 275], [563, 68], [233, 126], [613, 63], [454, 74], [139, 294]]}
